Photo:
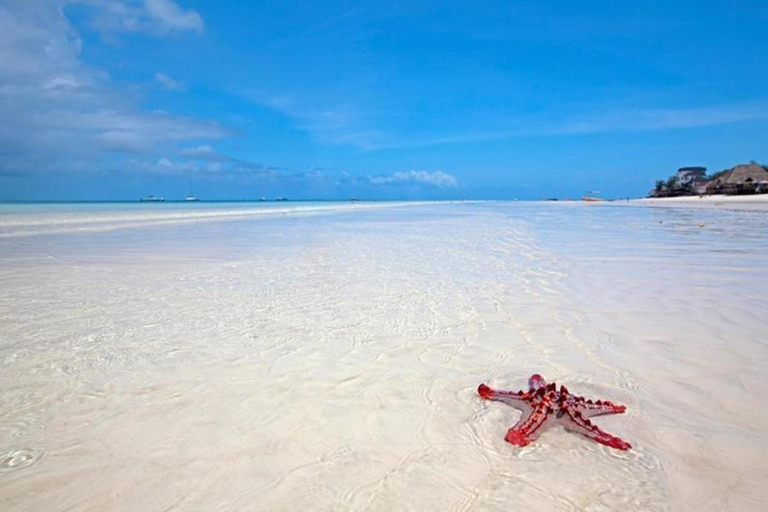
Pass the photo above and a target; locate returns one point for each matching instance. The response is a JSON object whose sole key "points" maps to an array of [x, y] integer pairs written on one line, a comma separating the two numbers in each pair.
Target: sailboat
{"points": [[191, 196]]}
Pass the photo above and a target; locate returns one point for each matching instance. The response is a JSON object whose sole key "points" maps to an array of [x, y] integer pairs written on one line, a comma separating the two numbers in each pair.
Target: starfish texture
{"points": [[544, 405]]}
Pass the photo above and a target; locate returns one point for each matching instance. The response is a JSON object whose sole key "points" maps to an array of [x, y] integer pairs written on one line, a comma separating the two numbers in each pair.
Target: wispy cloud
{"points": [[169, 83], [204, 152], [371, 130], [229, 170], [607, 121], [172, 16], [340, 123], [438, 179], [153, 16], [663, 118], [206, 163]]}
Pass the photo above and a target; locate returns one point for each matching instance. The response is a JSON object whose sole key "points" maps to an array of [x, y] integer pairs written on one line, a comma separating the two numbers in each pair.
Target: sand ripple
{"points": [[330, 362]]}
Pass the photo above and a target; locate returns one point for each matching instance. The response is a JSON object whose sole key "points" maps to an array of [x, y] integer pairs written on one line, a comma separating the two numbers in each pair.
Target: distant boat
{"points": [[281, 199], [354, 199], [592, 196], [191, 196], [262, 198], [152, 199]]}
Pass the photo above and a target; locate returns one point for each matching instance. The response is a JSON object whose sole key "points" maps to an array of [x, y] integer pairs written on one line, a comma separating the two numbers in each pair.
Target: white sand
{"points": [[755, 203], [329, 362]]}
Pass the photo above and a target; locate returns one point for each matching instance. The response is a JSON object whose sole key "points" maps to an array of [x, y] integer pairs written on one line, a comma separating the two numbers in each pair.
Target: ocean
{"points": [[326, 356]]}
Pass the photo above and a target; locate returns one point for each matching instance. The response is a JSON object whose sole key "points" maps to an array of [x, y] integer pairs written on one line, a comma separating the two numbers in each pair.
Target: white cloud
{"points": [[169, 83], [154, 16], [167, 167], [438, 179], [59, 113], [63, 82], [172, 16], [204, 152], [206, 162]]}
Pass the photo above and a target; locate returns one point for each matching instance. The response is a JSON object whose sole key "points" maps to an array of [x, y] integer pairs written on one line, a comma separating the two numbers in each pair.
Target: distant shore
{"points": [[750, 202]]}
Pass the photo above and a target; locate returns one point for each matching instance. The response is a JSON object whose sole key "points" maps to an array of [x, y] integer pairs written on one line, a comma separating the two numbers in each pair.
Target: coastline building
{"points": [[687, 181], [700, 186], [689, 175], [742, 179]]}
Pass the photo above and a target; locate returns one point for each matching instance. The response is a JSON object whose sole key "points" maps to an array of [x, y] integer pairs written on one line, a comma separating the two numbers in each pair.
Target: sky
{"points": [[241, 99]]}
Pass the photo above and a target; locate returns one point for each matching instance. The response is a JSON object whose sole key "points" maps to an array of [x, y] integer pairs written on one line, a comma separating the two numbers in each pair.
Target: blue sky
{"points": [[117, 99]]}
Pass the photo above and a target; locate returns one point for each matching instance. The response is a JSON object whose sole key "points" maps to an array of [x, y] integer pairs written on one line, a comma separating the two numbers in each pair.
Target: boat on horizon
{"points": [[593, 196], [152, 199], [191, 196]]}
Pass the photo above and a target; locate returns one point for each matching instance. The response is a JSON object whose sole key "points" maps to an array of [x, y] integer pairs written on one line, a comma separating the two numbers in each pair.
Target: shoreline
{"points": [[714, 202]]}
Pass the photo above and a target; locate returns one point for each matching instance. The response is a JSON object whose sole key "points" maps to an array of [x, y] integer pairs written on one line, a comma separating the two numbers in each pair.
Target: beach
{"points": [[719, 202], [327, 356]]}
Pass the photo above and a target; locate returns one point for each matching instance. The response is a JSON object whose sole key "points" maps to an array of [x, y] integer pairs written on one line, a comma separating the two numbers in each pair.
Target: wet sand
{"points": [[329, 360], [754, 203]]}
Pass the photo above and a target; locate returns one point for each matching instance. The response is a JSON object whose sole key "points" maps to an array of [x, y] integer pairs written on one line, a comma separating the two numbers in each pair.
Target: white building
{"points": [[686, 175]]}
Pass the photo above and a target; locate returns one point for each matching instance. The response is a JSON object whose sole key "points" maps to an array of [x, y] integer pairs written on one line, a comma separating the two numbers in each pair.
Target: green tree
{"points": [[671, 183]]}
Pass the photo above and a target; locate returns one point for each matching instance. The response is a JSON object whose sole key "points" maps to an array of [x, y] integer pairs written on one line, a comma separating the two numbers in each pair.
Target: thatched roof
{"points": [[742, 173]]}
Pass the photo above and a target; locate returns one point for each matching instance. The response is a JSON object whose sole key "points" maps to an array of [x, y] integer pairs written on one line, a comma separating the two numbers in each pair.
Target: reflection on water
{"points": [[19, 458], [330, 361]]}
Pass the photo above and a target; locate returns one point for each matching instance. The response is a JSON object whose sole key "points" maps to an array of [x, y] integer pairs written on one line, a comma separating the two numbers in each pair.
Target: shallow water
{"points": [[328, 359]]}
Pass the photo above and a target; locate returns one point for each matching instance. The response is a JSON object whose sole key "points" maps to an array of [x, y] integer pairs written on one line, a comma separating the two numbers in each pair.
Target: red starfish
{"points": [[544, 405]]}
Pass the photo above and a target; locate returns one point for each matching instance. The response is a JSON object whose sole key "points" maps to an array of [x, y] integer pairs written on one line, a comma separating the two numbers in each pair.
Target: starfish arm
{"points": [[529, 426], [575, 422], [516, 400], [588, 408], [536, 381]]}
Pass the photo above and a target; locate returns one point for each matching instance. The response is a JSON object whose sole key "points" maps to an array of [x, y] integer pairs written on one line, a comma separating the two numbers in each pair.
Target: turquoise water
{"points": [[97, 206], [23, 219]]}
